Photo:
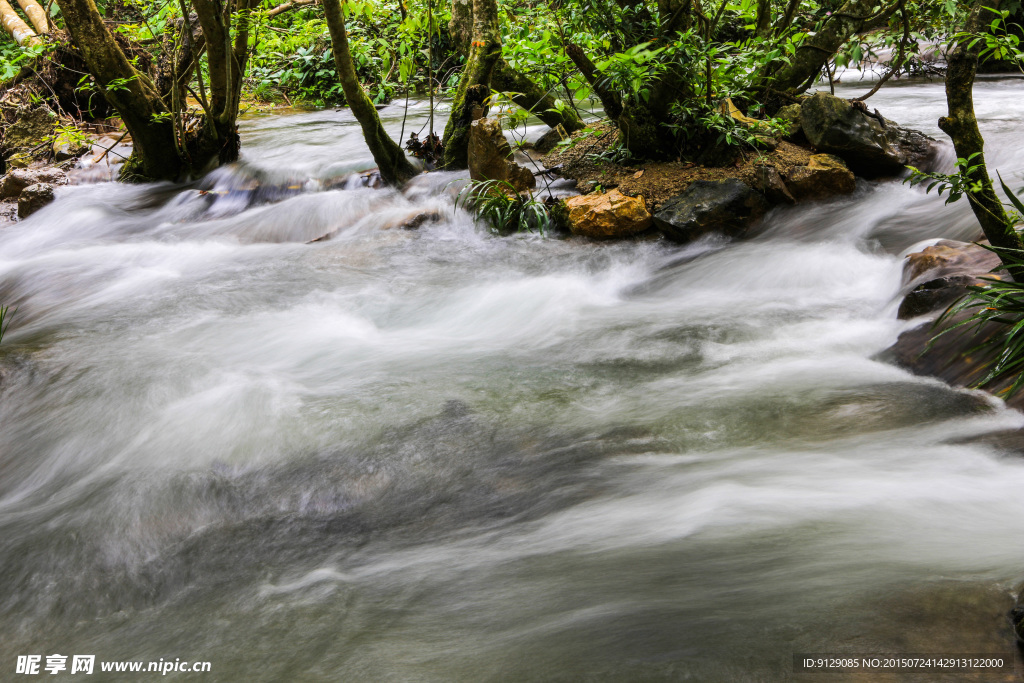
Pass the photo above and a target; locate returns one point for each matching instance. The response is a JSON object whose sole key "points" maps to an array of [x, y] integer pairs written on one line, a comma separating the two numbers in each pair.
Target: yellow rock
{"points": [[607, 216]]}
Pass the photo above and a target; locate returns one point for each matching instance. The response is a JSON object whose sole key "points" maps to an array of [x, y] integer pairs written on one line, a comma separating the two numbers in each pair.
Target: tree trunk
{"points": [[529, 96], [219, 142], [130, 92], [484, 53], [395, 167], [16, 26], [611, 101], [962, 126], [764, 18], [817, 50]]}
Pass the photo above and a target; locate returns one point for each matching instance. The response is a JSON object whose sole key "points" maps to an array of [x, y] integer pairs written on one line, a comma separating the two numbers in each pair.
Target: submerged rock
{"points": [[607, 216], [33, 198], [490, 156], [871, 145], [728, 206], [823, 176]]}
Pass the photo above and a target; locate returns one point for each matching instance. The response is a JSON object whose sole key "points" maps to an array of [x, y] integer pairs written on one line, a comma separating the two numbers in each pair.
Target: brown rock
{"points": [[607, 216], [768, 182], [825, 175], [17, 180], [490, 156], [948, 257], [33, 198], [940, 274]]}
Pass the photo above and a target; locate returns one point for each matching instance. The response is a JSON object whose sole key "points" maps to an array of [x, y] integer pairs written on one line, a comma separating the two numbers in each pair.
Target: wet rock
{"points": [[934, 295], [607, 216], [948, 257], [952, 357], [30, 129], [490, 156], [12, 184], [824, 175], [871, 145], [547, 142], [727, 206], [940, 274], [768, 181], [33, 198]]}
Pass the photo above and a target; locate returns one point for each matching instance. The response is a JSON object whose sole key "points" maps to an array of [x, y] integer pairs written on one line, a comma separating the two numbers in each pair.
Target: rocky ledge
{"points": [[829, 140]]}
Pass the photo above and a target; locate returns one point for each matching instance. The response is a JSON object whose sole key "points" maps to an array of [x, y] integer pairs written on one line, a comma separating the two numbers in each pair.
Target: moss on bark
{"points": [[395, 168], [961, 125]]}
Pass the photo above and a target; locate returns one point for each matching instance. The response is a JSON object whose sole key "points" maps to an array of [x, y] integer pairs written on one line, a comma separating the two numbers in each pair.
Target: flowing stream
{"points": [[441, 455]]}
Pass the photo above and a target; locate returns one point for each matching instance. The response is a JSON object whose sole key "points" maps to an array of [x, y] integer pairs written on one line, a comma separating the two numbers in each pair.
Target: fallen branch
{"points": [[290, 5], [16, 26], [99, 157], [36, 15]]}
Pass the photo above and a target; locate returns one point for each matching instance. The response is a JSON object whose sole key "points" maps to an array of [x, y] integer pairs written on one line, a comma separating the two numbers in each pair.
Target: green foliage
{"points": [[5, 319], [963, 181], [293, 59], [497, 203], [14, 57]]}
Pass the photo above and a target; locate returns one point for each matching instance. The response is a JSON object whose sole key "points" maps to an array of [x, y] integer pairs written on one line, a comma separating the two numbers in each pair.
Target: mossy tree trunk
{"points": [[129, 91], [226, 62], [484, 53], [816, 51], [160, 151], [395, 168], [961, 125], [527, 94]]}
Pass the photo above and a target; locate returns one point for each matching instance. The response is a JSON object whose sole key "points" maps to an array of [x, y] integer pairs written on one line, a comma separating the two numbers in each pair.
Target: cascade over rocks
{"points": [[871, 145], [824, 176], [607, 216], [490, 156], [728, 206]]}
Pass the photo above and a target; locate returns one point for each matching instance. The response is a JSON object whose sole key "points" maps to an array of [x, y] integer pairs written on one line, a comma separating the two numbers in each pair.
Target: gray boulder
{"points": [[871, 145], [33, 198], [728, 206]]}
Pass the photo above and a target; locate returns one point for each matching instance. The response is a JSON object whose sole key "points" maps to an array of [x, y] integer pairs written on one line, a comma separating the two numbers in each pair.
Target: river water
{"points": [[441, 455]]}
